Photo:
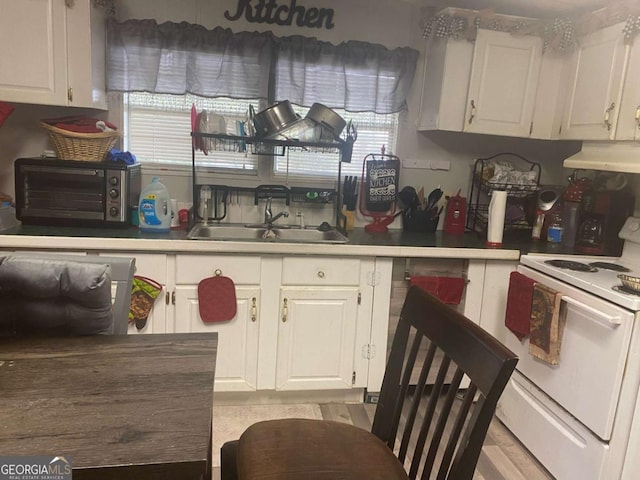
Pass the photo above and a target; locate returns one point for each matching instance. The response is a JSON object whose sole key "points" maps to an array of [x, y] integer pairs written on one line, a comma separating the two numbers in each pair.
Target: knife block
{"points": [[350, 219]]}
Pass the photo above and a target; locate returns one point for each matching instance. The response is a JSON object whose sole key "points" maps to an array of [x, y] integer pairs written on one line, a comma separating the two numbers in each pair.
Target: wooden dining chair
{"points": [[419, 430]]}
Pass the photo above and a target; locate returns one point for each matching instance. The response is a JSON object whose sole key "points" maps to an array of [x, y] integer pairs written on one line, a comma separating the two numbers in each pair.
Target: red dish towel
{"points": [[448, 289], [518, 314], [217, 299], [547, 324], [78, 124]]}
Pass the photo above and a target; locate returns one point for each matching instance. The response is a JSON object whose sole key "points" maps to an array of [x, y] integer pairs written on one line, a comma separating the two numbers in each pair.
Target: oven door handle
{"points": [[615, 320]]}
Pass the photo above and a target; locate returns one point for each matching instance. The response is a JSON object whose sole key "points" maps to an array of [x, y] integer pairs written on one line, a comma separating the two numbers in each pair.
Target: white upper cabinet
{"points": [[86, 62], [502, 88], [628, 126], [484, 87], [594, 77], [51, 53], [33, 51]]}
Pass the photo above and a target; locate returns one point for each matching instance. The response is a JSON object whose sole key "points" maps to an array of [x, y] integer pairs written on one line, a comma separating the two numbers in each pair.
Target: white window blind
{"points": [[374, 131], [158, 130]]}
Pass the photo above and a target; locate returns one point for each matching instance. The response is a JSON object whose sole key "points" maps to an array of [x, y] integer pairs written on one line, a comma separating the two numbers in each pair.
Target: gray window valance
{"points": [[181, 58]]}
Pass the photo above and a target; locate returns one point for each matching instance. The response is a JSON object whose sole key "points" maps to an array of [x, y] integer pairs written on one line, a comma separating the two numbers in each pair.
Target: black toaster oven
{"points": [[75, 193]]}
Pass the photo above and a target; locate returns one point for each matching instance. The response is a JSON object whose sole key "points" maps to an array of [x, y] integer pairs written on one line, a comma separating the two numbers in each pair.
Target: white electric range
{"points": [[580, 418]]}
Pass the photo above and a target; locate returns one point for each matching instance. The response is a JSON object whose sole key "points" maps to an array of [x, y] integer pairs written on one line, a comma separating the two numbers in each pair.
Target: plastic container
{"points": [[555, 230], [154, 208]]}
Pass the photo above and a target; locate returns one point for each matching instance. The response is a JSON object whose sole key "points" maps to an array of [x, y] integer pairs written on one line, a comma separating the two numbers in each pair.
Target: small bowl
{"points": [[630, 282]]}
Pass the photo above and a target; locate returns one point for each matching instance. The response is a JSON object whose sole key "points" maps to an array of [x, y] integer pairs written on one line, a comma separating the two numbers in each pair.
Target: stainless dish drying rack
{"points": [[268, 146]]}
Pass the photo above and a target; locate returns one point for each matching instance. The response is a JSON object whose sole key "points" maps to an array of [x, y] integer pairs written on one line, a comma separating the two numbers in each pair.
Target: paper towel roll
{"points": [[495, 227]]}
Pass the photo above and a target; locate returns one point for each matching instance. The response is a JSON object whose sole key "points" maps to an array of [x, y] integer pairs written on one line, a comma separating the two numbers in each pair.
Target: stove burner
{"points": [[571, 265], [625, 290], [610, 266]]}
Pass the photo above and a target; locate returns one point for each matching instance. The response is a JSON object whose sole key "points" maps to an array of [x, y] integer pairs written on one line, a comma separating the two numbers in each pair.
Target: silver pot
{"points": [[328, 118], [273, 119]]}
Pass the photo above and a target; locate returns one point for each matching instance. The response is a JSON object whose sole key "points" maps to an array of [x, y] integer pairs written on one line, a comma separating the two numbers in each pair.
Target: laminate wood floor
{"points": [[502, 457]]}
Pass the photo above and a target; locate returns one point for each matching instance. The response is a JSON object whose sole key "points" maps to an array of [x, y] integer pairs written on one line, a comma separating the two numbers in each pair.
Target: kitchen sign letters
{"points": [[268, 11]]}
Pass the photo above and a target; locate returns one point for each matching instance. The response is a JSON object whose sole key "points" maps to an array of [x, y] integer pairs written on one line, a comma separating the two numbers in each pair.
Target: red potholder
{"points": [[217, 299]]}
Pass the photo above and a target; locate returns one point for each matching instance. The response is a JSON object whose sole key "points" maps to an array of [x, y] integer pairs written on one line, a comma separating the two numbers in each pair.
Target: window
{"points": [[374, 131], [158, 130], [223, 71]]}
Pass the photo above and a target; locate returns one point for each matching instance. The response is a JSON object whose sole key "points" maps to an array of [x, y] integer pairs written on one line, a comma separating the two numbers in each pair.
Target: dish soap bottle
{"points": [[154, 209]]}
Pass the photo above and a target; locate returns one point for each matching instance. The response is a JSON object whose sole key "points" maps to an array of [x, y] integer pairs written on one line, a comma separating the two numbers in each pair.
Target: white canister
{"points": [[495, 226], [175, 221]]}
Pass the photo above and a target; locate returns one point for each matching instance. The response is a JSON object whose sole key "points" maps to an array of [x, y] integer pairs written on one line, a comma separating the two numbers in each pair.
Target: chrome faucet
{"points": [[269, 217]]}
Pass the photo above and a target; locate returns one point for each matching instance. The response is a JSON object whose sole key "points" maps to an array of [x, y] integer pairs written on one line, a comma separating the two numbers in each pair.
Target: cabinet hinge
{"points": [[368, 351], [359, 298], [353, 378], [373, 278]]}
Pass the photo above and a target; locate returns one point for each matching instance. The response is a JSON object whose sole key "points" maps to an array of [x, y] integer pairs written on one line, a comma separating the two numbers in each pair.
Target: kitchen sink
{"points": [[265, 234]]}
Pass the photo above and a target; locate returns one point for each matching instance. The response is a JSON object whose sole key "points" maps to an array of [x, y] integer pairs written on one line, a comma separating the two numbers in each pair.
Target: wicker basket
{"points": [[92, 147]]}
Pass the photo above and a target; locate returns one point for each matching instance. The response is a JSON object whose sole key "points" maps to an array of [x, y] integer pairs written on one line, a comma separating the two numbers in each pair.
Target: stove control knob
{"points": [[634, 227]]}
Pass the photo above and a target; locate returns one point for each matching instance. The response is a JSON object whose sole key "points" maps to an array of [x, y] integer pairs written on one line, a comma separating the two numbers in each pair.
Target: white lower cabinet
{"points": [[487, 294], [316, 338], [305, 322], [237, 359], [300, 323]]}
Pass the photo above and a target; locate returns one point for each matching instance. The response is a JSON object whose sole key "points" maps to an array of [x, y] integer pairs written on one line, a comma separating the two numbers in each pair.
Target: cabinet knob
{"points": [[320, 274], [607, 115], [638, 116], [285, 310]]}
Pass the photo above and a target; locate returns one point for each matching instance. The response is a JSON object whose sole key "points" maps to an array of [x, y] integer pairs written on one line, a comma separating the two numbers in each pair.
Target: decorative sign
{"points": [[381, 183], [268, 11]]}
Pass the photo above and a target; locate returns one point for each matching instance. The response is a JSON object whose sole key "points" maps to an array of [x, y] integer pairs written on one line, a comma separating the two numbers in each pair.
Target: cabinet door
{"points": [[594, 74], [628, 126], [33, 51], [316, 338], [503, 84], [237, 359], [86, 55]]}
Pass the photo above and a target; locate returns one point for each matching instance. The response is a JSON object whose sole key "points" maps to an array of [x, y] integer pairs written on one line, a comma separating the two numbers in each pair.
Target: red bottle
{"points": [[456, 216]]}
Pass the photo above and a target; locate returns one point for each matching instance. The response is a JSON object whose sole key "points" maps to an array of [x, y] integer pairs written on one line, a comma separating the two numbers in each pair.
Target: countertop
{"points": [[395, 243]]}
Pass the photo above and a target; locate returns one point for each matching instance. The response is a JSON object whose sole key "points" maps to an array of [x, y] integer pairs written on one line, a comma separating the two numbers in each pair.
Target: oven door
{"points": [[62, 193], [593, 355]]}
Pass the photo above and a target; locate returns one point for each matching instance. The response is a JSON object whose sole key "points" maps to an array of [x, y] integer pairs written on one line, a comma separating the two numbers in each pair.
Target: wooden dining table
{"points": [[120, 406]]}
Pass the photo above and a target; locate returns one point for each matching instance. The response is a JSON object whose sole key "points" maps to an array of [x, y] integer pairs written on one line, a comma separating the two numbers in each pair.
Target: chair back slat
{"points": [[427, 422], [454, 440], [443, 419], [415, 404], [450, 430]]}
